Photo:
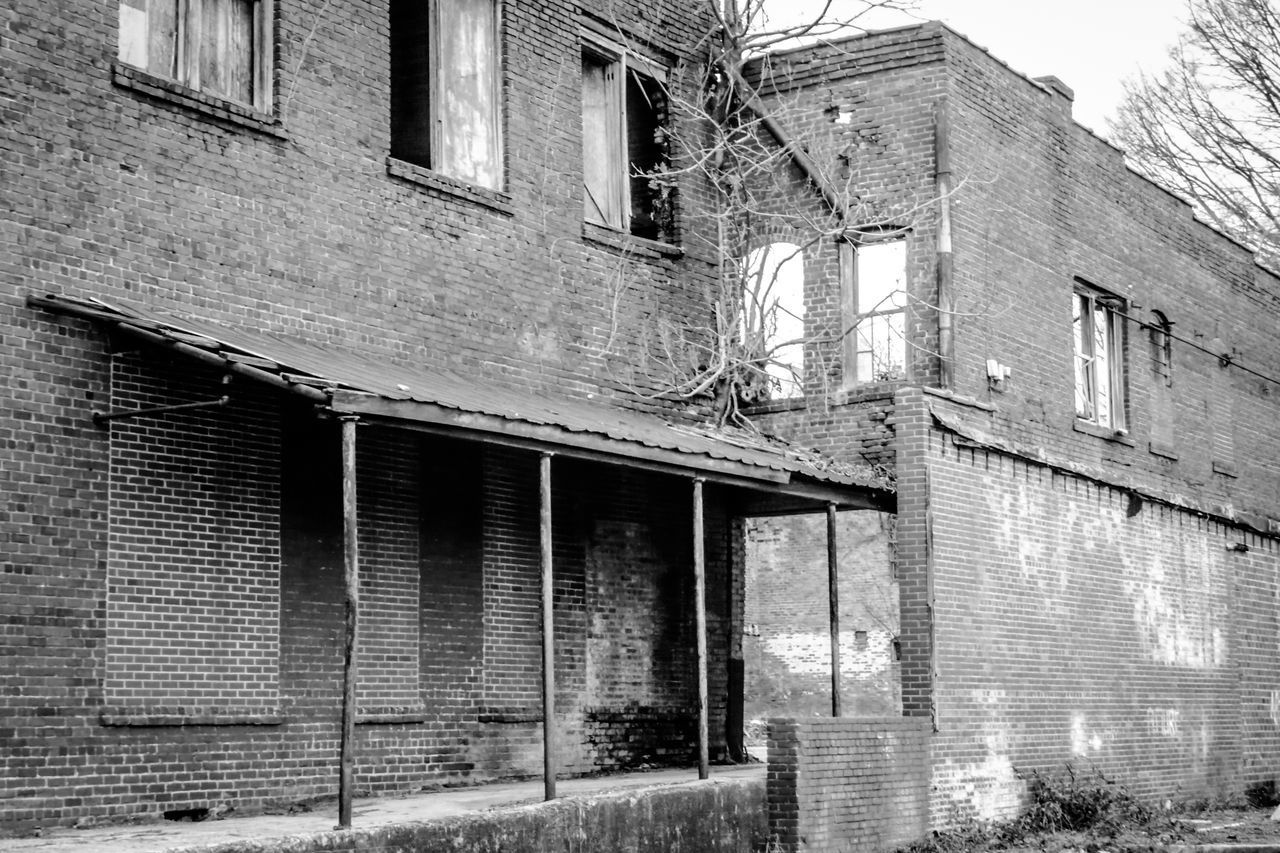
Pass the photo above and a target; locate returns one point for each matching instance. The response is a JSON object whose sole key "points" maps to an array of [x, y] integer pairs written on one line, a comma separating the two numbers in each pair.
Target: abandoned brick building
{"points": [[301, 292], [1075, 382]]}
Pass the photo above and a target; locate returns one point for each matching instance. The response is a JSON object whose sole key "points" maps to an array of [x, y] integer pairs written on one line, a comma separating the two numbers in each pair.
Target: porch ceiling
{"points": [[780, 477]]}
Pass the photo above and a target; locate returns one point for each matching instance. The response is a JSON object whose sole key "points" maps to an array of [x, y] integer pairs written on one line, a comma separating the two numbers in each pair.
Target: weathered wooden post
{"points": [[351, 588], [548, 633], [700, 606], [833, 593]]}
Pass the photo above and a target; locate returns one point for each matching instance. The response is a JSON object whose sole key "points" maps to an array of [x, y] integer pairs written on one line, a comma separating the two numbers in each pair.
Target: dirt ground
{"points": [[1173, 832]]}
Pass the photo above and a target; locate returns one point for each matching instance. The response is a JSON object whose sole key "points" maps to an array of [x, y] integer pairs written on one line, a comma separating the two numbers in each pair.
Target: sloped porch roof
{"points": [[781, 477]]}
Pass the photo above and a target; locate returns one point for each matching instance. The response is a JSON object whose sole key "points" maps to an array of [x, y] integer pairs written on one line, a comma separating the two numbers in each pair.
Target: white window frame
{"points": [[620, 62], [188, 40], [1098, 345]]}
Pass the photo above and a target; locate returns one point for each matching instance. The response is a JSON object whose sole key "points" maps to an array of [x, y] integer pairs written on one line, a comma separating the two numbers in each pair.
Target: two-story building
{"points": [[330, 456], [1076, 383]]}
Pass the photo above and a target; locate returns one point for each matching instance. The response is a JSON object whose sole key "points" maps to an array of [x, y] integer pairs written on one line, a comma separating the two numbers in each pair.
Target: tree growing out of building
{"points": [[1208, 125], [774, 208]]}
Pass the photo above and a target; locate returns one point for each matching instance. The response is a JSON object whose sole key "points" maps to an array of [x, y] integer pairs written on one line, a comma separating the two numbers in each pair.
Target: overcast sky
{"points": [[1091, 45]]}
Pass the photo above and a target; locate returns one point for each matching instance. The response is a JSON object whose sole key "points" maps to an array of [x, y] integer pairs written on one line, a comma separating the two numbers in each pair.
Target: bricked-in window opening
{"points": [[219, 47], [1098, 330], [624, 115], [773, 316], [874, 300], [446, 88]]}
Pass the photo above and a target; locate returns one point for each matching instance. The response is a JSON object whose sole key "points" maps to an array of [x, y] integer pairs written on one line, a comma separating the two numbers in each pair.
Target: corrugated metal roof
{"points": [[335, 369]]}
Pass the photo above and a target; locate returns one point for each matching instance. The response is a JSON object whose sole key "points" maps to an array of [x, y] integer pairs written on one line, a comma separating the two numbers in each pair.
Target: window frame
{"points": [[187, 52], [628, 62], [851, 317], [1086, 301], [434, 160]]}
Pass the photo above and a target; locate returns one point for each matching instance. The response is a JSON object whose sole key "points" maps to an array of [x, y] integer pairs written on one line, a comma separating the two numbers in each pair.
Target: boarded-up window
{"points": [[221, 47], [446, 88], [623, 142]]}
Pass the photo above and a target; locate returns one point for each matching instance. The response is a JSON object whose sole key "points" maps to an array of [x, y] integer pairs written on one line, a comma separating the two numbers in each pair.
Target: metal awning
{"points": [[787, 478]]}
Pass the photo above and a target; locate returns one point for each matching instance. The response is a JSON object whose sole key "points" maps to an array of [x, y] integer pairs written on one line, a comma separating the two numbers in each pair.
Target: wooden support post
{"points": [[833, 591], [700, 615], [548, 633], [351, 588]]}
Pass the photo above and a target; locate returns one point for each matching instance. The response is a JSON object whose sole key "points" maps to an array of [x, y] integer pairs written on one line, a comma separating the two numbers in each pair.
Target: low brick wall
{"points": [[714, 816], [848, 784]]}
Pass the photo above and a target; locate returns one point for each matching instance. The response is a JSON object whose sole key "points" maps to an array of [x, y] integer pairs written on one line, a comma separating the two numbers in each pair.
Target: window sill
{"points": [[1106, 433], [144, 83], [1226, 469], [382, 716], [788, 404], [629, 243], [427, 179], [159, 716]]}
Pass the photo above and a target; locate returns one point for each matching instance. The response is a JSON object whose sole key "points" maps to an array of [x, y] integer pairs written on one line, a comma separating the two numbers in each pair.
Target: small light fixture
{"points": [[1239, 548]]}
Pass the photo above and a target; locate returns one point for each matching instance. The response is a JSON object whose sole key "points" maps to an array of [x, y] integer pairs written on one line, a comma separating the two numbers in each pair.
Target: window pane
{"points": [[601, 169], [148, 35], [645, 109], [226, 49], [410, 82], [468, 92], [1101, 366], [1083, 355], [881, 276]]}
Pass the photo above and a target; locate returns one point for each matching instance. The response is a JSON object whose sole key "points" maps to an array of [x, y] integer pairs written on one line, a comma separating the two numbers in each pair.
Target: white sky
{"points": [[1091, 45]]}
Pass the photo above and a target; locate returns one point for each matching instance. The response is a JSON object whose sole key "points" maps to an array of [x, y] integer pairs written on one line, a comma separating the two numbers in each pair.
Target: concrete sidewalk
{"points": [[161, 836]]}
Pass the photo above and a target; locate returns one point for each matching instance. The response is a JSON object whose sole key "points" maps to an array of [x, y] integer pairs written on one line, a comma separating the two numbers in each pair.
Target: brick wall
{"points": [[847, 784], [786, 642]]}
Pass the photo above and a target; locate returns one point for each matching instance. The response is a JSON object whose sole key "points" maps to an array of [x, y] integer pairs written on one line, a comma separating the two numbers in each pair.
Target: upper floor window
{"points": [[219, 47], [773, 316], [1160, 331], [624, 114], [874, 278], [446, 88], [1099, 357]]}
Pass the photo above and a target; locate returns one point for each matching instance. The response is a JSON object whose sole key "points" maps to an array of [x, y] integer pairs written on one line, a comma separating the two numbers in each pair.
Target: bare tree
{"points": [[1208, 127], [731, 133]]}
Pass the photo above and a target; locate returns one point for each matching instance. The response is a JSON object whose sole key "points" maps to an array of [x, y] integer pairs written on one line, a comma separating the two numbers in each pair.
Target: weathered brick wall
{"points": [[847, 784], [786, 642], [1094, 626], [116, 190], [1079, 604]]}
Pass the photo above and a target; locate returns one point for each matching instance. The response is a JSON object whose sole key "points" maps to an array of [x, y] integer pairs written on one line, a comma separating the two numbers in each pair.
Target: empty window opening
{"points": [[874, 280], [624, 113], [220, 47], [773, 317], [446, 88], [1099, 357]]}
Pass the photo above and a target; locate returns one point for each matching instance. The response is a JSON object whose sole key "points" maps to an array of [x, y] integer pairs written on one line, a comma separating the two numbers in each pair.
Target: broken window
{"points": [[874, 284], [773, 316], [1099, 357], [624, 141], [220, 47], [446, 87]]}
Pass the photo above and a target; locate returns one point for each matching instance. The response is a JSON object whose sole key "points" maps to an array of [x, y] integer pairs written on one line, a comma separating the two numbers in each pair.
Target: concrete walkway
{"points": [[164, 836]]}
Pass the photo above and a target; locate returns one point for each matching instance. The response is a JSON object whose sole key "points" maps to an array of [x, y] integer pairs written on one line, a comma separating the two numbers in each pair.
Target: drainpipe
{"points": [[946, 305]]}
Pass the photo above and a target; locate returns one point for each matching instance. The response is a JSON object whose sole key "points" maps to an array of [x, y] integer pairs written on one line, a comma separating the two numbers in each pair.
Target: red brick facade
{"points": [[1069, 592], [172, 584]]}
